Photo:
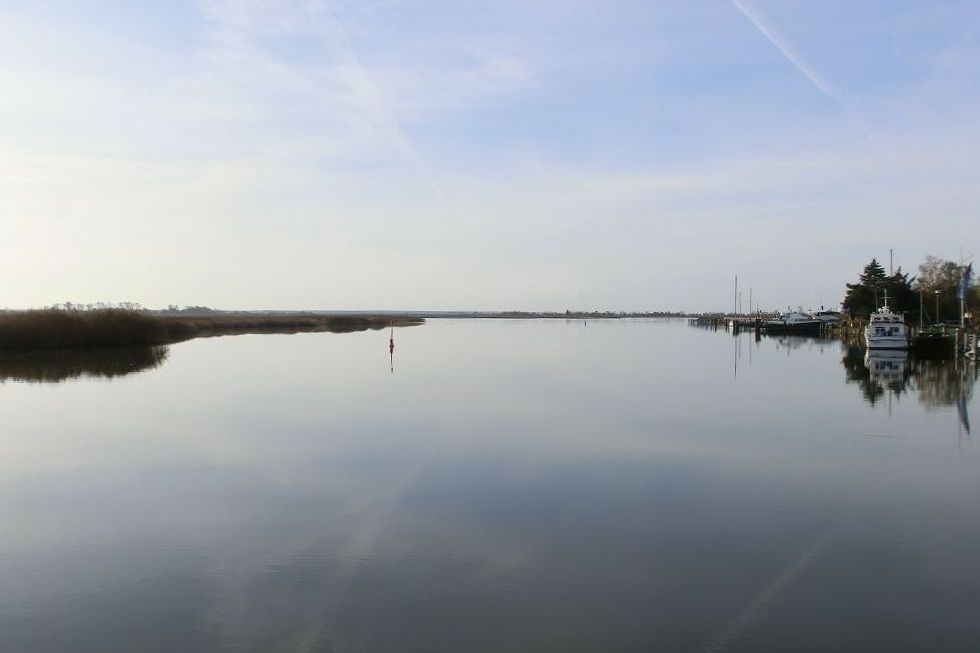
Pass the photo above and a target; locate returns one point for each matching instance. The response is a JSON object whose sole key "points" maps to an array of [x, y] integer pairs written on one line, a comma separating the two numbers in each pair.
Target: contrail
{"points": [[755, 17], [772, 35]]}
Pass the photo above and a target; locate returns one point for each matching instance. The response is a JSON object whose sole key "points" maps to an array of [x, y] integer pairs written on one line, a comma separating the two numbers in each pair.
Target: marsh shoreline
{"points": [[67, 329]]}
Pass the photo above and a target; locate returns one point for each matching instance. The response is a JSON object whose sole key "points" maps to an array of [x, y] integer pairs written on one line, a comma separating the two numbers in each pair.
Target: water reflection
{"points": [[937, 383], [559, 488], [943, 382], [890, 374], [875, 375], [391, 350], [790, 343], [56, 366], [964, 414], [888, 369]]}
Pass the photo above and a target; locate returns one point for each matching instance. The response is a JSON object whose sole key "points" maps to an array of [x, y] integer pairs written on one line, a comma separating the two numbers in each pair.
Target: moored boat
{"points": [[794, 322], [830, 318], [886, 330]]}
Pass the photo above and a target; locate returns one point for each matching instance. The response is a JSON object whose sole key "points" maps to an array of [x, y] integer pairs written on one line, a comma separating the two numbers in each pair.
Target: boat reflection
{"points": [[56, 366], [937, 383], [887, 366], [876, 373], [792, 343]]}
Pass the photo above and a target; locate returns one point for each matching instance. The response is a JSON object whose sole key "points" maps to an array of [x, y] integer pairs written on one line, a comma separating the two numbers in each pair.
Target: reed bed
{"points": [[59, 329]]}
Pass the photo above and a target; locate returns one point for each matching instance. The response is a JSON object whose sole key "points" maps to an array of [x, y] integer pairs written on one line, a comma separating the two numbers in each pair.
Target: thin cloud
{"points": [[373, 101], [351, 92]]}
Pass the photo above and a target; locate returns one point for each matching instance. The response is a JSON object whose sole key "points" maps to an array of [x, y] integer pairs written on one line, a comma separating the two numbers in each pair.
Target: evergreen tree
{"points": [[862, 297], [901, 297]]}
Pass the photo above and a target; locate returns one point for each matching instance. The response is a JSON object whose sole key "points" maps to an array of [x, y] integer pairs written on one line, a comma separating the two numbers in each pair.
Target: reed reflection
{"points": [[57, 366]]}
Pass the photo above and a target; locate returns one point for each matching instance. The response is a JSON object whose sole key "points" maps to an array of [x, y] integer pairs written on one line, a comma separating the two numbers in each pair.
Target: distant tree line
{"points": [[128, 306], [938, 281], [97, 306], [597, 314]]}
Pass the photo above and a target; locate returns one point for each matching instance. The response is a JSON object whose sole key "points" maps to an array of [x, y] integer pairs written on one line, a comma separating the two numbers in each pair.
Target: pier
{"points": [[938, 341], [756, 322], [945, 340]]}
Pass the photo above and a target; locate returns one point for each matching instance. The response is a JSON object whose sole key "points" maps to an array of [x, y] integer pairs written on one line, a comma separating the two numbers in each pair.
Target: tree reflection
{"points": [[55, 366], [876, 375], [937, 382], [942, 382]]}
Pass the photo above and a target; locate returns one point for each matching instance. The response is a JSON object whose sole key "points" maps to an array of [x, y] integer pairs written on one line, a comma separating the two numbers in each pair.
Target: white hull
{"points": [[886, 342], [886, 330]]}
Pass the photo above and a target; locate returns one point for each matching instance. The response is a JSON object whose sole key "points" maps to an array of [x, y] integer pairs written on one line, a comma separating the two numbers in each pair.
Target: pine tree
{"points": [[862, 297], [901, 296]]}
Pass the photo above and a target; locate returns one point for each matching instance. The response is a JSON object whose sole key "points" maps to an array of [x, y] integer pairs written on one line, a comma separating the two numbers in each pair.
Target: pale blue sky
{"points": [[622, 155]]}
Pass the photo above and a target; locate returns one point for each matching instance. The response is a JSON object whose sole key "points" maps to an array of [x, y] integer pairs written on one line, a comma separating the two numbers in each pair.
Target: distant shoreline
{"points": [[67, 328], [542, 315]]}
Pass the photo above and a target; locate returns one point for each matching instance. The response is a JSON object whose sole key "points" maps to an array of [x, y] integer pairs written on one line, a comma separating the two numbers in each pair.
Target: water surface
{"points": [[632, 485]]}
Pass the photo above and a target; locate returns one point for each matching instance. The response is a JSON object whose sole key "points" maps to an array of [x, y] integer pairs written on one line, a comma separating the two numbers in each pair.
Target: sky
{"points": [[621, 155]]}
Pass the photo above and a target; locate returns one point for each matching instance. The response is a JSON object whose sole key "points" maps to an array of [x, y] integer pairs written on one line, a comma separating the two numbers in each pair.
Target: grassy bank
{"points": [[57, 329], [222, 324]]}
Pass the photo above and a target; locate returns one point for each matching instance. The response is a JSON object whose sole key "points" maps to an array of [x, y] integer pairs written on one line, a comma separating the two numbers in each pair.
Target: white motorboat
{"points": [[886, 330]]}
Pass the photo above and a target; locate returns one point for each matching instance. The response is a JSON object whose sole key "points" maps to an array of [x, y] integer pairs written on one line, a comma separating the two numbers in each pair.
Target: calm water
{"points": [[509, 486]]}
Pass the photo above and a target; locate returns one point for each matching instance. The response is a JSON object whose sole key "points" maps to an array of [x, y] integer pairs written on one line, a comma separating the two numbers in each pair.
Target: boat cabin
{"points": [[885, 324]]}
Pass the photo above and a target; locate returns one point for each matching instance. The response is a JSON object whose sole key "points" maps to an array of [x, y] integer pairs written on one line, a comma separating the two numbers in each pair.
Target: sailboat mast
{"points": [[736, 294]]}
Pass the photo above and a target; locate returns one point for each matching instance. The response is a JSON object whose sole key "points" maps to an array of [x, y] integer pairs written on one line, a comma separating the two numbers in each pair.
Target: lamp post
{"points": [[936, 292]]}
